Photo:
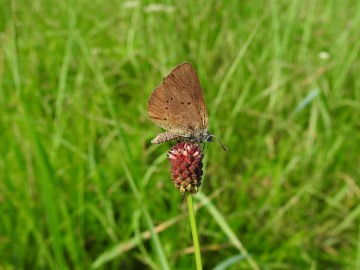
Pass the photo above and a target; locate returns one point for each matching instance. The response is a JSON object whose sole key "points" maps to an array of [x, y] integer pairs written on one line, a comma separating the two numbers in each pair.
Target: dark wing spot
{"points": [[182, 103], [166, 107], [165, 118], [167, 101], [188, 103], [172, 98], [167, 115]]}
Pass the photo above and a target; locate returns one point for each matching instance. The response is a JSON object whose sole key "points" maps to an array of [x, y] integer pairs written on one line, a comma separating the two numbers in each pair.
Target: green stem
{"points": [[194, 232]]}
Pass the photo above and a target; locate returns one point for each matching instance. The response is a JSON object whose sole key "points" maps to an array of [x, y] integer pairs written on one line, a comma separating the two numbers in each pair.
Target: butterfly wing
{"points": [[178, 104]]}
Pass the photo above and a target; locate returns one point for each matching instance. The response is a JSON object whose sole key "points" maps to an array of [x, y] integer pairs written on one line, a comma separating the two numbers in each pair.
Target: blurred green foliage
{"points": [[80, 182]]}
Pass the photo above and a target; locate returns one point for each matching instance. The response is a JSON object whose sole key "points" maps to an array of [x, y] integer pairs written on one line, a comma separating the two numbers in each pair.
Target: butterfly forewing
{"points": [[178, 105]]}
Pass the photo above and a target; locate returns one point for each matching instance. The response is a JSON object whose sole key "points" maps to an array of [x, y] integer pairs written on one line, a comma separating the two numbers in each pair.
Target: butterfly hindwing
{"points": [[178, 105]]}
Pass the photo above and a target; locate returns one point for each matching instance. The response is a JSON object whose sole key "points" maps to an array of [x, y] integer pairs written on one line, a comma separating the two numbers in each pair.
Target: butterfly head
{"points": [[208, 137]]}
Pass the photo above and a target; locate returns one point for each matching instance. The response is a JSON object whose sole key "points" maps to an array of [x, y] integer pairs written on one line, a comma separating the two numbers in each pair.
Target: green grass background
{"points": [[81, 186]]}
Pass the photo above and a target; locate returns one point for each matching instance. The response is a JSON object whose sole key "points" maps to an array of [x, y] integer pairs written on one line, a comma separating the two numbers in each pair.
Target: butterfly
{"points": [[178, 106]]}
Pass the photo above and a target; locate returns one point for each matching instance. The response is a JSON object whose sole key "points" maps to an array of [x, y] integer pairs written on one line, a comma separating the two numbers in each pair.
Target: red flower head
{"points": [[186, 166]]}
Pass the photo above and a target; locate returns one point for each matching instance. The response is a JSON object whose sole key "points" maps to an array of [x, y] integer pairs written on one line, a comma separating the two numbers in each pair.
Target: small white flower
{"points": [[159, 8], [131, 4], [324, 55]]}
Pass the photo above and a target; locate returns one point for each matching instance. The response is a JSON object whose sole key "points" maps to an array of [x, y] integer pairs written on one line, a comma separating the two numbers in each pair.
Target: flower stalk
{"points": [[194, 232]]}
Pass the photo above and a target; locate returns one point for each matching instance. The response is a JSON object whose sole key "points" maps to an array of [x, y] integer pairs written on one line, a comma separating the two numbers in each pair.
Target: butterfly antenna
{"points": [[223, 146]]}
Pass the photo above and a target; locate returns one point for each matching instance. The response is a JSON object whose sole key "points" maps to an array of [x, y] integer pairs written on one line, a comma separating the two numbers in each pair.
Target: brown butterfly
{"points": [[178, 106]]}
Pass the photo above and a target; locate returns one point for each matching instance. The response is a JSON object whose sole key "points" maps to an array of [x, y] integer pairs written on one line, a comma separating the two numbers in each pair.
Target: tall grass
{"points": [[80, 184]]}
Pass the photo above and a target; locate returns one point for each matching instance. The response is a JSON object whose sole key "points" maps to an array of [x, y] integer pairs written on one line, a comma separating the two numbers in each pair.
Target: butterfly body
{"points": [[168, 136]]}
